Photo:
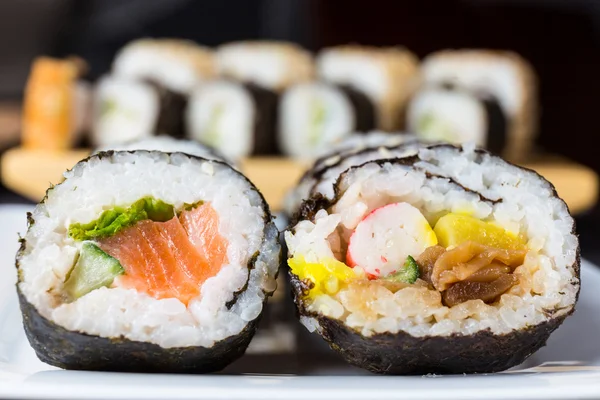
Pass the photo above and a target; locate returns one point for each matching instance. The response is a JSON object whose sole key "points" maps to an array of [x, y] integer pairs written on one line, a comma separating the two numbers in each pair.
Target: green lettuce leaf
{"points": [[112, 221]]}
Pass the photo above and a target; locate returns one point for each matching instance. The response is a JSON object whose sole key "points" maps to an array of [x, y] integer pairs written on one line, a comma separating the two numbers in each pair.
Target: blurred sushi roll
{"points": [[313, 116], [386, 76], [147, 261], [55, 107], [167, 144], [482, 96], [270, 65], [266, 69], [448, 261], [173, 68], [176, 64], [237, 119], [355, 150], [124, 110]]}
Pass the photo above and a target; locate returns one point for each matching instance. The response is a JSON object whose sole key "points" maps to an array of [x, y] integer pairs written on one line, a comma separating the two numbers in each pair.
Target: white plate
{"points": [[569, 367]]}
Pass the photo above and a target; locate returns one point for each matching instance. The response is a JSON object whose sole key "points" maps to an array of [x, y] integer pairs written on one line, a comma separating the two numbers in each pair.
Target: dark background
{"points": [[561, 38]]}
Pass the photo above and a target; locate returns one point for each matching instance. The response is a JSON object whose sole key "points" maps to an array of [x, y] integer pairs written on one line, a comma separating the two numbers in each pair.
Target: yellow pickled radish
{"points": [[453, 229], [326, 275]]}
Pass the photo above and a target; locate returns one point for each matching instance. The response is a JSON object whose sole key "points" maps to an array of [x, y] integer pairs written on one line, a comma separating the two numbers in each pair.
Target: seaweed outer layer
{"points": [[55, 345], [402, 354]]}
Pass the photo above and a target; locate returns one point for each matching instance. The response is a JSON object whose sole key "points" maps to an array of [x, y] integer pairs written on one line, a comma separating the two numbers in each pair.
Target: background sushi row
{"points": [[265, 98]]}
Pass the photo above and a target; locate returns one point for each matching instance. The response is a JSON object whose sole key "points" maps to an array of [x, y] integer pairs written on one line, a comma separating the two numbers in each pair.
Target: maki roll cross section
{"points": [[149, 262], [447, 261]]}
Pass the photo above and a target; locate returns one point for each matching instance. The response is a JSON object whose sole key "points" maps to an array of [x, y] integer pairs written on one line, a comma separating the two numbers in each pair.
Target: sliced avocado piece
{"points": [[94, 269], [408, 274]]}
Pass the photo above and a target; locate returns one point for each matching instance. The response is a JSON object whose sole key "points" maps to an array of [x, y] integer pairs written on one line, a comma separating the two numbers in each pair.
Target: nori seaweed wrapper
{"points": [[266, 103], [62, 348], [172, 105], [58, 346], [497, 125], [364, 109], [402, 353]]}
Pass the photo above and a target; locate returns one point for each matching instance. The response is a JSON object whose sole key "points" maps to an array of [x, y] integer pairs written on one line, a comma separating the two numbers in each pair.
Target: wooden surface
{"points": [[31, 172]]}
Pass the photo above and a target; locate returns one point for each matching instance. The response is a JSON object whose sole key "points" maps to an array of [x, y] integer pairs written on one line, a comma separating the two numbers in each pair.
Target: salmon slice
{"points": [[168, 259], [202, 227]]}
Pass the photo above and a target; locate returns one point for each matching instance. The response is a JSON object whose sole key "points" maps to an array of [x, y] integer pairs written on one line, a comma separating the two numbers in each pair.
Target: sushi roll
{"points": [[448, 261], [266, 69], [386, 76], [357, 149], [168, 144], [270, 65], [177, 65], [483, 96], [235, 118], [147, 261], [124, 110], [55, 105], [313, 116], [173, 68]]}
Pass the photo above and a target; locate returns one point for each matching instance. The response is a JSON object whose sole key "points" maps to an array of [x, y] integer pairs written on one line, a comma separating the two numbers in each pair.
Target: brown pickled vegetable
{"points": [[470, 271], [486, 291], [490, 273], [427, 260], [461, 262]]}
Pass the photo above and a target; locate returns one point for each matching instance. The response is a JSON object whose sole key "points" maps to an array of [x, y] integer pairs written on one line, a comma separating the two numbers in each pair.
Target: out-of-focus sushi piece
{"points": [[124, 110], [457, 116], [55, 109], [387, 76], [266, 69], [173, 68], [314, 116], [178, 65], [271, 65], [147, 261], [235, 118], [487, 97]]}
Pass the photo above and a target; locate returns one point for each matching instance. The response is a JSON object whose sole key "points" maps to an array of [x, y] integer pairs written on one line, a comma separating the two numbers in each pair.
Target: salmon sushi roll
{"points": [[147, 261], [447, 261]]}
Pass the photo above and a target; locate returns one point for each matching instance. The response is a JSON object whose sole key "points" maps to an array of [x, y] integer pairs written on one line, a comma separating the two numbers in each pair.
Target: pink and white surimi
{"points": [[384, 239]]}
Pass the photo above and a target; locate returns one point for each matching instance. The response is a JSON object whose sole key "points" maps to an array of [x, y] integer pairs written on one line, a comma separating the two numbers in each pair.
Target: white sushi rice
{"points": [[119, 180], [357, 149], [166, 144], [528, 207], [221, 114], [123, 110], [452, 116], [178, 65], [498, 73], [271, 65], [299, 134]]}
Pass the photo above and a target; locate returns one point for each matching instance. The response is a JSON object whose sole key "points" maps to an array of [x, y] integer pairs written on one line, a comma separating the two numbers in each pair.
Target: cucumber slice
{"points": [[94, 269]]}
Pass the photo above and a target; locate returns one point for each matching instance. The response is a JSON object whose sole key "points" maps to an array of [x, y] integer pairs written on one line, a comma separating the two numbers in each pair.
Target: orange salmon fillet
{"points": [[170, 259]]}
